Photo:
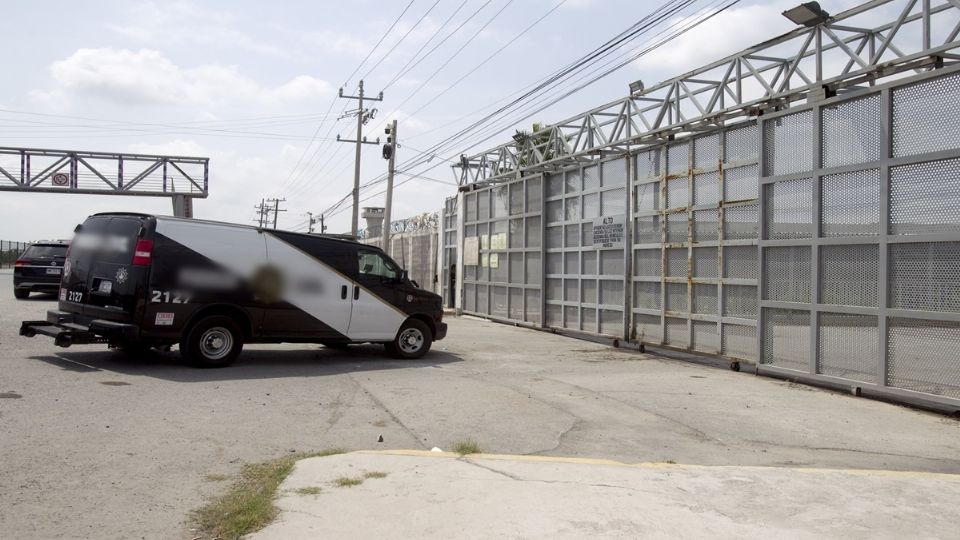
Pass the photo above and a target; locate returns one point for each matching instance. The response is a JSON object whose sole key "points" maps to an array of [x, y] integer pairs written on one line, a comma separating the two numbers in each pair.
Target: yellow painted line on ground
{"points": [[658, 465]]}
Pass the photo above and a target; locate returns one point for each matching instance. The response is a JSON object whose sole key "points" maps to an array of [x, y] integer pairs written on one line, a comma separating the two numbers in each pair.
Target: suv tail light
{"points": [[20, 262], [142, 253]]}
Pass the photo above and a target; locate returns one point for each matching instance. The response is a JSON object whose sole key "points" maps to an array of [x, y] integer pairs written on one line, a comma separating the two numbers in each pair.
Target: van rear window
{"points": [[109, 239]]}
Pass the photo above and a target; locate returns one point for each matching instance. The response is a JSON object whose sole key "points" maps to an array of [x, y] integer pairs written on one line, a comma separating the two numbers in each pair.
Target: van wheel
{"points": [[212, 342], [412, 341], [20, 294]]}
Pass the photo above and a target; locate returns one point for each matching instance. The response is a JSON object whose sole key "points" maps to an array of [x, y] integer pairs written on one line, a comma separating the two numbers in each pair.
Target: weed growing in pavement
{"points": [[311, 490], [216, 477], [374, 474], [247, 505], [468, 446], [346, 481]]}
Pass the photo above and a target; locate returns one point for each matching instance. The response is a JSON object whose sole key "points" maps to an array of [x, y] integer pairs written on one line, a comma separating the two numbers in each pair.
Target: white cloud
{"points": [[148, 77]]}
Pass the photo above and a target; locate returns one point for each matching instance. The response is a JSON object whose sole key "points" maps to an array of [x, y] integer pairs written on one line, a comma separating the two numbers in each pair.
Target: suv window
{"points": [[45, 251], [372, 263]]}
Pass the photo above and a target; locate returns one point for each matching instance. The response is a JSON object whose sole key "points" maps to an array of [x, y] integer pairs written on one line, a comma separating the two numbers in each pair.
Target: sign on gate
{"points": [[60, 179], [471, 251], [608, 231]]}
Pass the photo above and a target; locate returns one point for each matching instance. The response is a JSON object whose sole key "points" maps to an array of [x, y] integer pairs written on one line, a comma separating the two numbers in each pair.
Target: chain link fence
{"points": [[10, 251]]}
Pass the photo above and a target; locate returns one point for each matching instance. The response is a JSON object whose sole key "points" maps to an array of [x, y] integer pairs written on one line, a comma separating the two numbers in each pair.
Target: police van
{"points": [[137, 281]]}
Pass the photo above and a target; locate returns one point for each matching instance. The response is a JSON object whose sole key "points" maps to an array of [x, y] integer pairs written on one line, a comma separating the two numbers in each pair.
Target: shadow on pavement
{"points": [[315, 361]]}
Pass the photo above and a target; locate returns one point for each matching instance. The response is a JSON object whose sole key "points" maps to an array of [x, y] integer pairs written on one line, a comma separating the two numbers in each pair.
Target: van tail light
{"points": [[20, 262], [142, 254], [69, 247]]}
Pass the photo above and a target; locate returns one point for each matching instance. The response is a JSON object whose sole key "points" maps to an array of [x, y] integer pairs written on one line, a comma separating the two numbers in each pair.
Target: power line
{"points": [[425, 44], [395, 45]]}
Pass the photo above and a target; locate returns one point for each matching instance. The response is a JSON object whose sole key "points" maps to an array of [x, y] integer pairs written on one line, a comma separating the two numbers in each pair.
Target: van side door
{"points": [[377, 298]]}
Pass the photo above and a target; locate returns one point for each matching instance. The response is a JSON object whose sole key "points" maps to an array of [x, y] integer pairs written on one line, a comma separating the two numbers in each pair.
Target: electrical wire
{"points": [[395, 45]]}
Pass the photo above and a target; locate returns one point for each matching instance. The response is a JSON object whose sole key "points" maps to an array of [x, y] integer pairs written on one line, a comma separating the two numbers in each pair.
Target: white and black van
{"points": [[137, 281]]}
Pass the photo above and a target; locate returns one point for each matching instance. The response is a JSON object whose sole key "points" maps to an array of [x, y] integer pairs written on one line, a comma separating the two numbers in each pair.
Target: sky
{"points": [[253, 86]]}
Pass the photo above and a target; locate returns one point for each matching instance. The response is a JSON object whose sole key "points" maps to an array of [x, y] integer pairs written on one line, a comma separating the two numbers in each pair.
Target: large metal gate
{"points": [[695, 220], [861, 239], [502, 253], [585, 282], [448, 256]]}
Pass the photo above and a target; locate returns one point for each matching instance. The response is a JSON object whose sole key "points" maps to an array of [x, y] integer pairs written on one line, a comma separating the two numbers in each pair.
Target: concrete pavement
{"points": [[442, 495]]}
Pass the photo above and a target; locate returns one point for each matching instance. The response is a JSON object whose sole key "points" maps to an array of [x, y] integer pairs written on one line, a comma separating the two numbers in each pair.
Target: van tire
{"points": [[212, 342], [413, 340], [21, 294]]}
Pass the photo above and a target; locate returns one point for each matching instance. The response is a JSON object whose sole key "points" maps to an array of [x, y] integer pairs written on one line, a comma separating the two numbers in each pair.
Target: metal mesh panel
{"points": [[533, 195], [740, 301], [646, 262], [677, 333], [571, 319], [591, 205], [705, 226], [705, 262], [646, 294], [647, 197], [678, 157], [742, 143], [571, 290], [470, 203], [705, 299], [790, 209], [499, 273], [611, 322], [483, 205], [469, 297], [614, 173], [706, 188], [588, 320], [741, 222], [571, 235], [588, 291], [648, 164], [706, 337], [500, 202], [786, 338], [921, 122], [925, 198], [589, 262], [571, 263], [850, 203], [922, 356], [611, 292], [678, 192], [706, 151], [647, 230], [571, 181], [516, 304], [591, 179], [786, 272], [554, 263], [788, 144], [611, 263], [677, 227], [516, 233], [613, 202], [741, 183], [677, 297], [554, 185], [739, 341], [482, 303], [571, 208], [848, 346], [740, 262], [851, 131], [555, 236], [849, 274], [516, 198], [532, 232], [554, 211], [532, 311], [553, 315], [516, 267], [647, 328], [676, 262], [925, 276], [533, 270]]}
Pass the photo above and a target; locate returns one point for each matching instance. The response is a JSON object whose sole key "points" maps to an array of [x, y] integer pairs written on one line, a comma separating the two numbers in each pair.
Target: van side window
{"points": [[373, 264]]}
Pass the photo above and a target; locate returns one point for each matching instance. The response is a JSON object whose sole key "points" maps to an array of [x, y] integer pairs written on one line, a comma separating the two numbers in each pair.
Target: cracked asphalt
{"points": [[95, 444]]}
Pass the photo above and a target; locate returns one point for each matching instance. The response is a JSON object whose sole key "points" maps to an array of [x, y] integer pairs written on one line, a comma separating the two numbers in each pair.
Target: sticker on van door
{"points": [[164, 319]]}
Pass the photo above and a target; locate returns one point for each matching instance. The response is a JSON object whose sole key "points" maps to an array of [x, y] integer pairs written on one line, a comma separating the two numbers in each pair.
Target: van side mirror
{"points": [[404, 276]]}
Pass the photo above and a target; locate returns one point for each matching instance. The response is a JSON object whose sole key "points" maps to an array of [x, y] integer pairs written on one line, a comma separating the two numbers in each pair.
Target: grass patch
{"points": [[374, 474], [216, 477], [247, 506], [468, 446], [346, 481], [312, 490], [670, 462]]}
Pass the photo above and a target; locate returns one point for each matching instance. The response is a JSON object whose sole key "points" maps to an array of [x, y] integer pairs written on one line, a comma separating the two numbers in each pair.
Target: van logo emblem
{"points": [[122, 275], [409, 298]]}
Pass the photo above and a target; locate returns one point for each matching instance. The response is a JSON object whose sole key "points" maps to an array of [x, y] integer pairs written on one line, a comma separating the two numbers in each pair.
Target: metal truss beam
{"points": [[102, 173], [805, 63]]}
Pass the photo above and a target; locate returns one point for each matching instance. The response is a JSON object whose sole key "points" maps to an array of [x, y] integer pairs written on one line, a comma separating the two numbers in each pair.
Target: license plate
{"points": [[105, 287], [53, 270]]}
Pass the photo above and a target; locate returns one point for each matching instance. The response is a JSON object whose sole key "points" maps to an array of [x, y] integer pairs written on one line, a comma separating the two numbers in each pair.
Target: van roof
{"points": [[334, 237]]}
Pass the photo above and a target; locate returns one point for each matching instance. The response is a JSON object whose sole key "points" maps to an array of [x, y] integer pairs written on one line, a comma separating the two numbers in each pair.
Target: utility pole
{"points": [[276, 209], [310, 222], [261, 209], [363, 116], [390, 153]]}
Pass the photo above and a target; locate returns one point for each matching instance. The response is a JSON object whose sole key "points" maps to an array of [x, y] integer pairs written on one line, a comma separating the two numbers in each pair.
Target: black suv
{"points": [[39, 268]]}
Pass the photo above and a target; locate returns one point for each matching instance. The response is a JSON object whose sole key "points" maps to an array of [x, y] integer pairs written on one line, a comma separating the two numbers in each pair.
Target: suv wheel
{"points": [[20, 294], [412, 341], [211, 342]]}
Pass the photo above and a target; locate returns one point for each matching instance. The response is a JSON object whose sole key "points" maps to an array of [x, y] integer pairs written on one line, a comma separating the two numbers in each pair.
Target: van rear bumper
{"points": [[74, 329], [441, 331]]}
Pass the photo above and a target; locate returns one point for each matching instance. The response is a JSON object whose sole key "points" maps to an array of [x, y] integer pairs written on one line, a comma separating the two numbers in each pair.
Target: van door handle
{"points": [[356, 292], [343, 292]]}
